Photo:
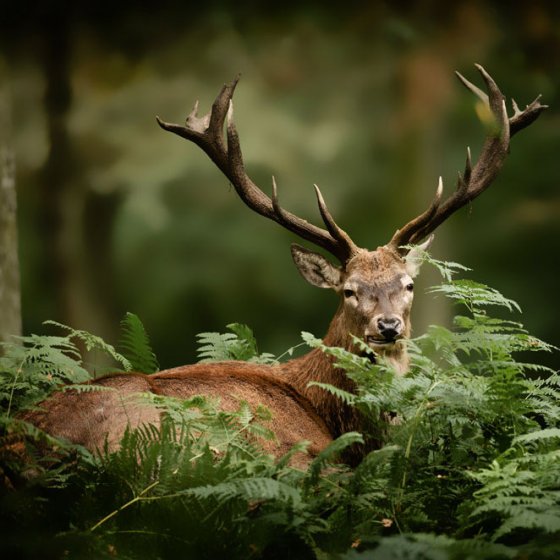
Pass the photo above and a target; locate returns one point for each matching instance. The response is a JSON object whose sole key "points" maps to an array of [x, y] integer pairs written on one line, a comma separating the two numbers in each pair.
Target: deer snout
{"points": [[384, 329], [389, 328]]}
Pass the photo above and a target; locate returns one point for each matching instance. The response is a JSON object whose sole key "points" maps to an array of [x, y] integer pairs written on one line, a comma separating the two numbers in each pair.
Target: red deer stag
{"points": [[375, 288]]}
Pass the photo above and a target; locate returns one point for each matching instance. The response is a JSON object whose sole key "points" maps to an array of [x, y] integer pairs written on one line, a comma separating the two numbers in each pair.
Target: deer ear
{"points": [[415, 257], [317, 270]]}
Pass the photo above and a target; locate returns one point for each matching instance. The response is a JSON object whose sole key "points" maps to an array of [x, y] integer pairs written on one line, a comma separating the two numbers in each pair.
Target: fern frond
{"points": [[92, 342], [88, 388], [214, 347], [250, 490], [474, 295], [331, 453], [447, 269], [541, 521], [344, 396], [538, 436], [240, 344], [135, 345], [346, 360]]}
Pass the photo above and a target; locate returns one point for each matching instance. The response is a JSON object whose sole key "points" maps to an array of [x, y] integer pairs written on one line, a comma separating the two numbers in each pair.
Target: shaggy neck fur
{"points": [[317, 366]]}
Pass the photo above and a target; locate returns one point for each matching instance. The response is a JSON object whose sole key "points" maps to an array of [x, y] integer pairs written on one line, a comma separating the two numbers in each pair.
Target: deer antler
{"points": [[475, 179], [207, 133]]}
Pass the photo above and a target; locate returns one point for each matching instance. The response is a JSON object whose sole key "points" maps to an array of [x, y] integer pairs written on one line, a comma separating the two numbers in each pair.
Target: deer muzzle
{"points": [[384, 330]]}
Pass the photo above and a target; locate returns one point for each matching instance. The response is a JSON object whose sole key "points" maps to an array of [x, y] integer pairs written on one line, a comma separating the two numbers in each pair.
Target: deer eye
{"points": [[410, 287], [349, 293]]}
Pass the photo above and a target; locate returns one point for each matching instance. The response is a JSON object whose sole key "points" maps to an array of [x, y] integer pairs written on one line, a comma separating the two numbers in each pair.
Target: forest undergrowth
{"points": [[471, 470]]}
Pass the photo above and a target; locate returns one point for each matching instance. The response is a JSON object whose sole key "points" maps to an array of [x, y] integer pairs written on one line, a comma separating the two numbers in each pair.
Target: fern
{"points": [[32, 366], [215, 347], [240, 344], [92, 342], [446, 269], [521, 493], [343, 359], [135, 345], [538, 436], [474, 295], [331, 453], [458, 414], [35, 366], [255, 489], [344, 396]]}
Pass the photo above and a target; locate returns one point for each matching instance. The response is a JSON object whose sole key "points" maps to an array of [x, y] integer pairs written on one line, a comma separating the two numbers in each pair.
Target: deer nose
{"points": [[389, 327]]}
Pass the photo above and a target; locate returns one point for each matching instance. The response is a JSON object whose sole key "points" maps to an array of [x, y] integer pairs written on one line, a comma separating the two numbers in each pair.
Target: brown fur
{"points": [[90, 418]]}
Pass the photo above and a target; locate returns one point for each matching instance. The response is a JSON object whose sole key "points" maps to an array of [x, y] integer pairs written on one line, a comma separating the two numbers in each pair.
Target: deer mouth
{"points": [[375, 341]]}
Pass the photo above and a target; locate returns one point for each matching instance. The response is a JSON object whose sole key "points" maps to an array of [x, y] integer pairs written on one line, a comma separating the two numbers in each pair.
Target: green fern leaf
{"points": [[240, 344], [92, 342], [135, 345], [331, 453], [344, 396], [538, 436]]}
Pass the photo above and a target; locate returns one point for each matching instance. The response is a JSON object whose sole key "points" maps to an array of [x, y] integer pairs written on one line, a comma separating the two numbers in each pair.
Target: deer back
{"points": [[99, 418]]}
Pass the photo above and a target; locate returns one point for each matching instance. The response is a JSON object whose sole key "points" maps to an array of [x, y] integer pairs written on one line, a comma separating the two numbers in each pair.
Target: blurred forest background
{"points": [[116, 215]]}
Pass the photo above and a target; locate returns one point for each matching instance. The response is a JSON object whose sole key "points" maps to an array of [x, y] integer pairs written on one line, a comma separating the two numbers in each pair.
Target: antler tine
{"points": [[495, 96], [221, 107], [475, 179], [418, 223], [522, 119], [338, 233], [474, 89], [207, 133]]}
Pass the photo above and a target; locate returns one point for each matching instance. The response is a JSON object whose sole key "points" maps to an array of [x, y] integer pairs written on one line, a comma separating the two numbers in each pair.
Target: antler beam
{"points": [[207, 133], [475, 179]]}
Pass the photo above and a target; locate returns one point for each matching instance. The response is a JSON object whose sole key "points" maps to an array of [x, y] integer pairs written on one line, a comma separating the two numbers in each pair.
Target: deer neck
{"points": [[318, 366]]}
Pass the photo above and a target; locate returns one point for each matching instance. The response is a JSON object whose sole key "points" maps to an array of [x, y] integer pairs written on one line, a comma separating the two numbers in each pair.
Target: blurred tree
{"points": [[10, 297]]}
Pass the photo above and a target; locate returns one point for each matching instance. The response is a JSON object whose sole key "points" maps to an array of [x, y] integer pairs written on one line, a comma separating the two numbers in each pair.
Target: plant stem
{"points": [[124, 506]]}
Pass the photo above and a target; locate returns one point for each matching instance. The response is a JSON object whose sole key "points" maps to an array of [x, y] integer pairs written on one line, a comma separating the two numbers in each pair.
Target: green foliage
{"points": [[474, 453], [474, 295], [92, 343], [469, 467], [135, 345], [34, 365], [240, 344]]}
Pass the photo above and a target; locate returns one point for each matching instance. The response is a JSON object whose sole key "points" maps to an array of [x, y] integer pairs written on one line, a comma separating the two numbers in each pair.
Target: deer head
{"points": [[375, 287], [376, 291]]}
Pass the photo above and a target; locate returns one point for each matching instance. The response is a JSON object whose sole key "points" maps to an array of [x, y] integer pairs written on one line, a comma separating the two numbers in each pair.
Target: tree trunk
{"points": [[10, 296], [69, 270]]}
